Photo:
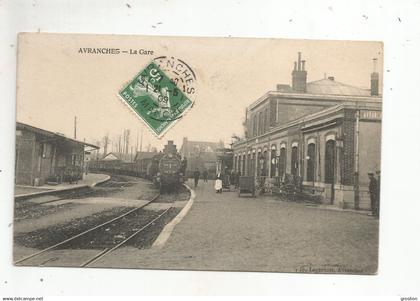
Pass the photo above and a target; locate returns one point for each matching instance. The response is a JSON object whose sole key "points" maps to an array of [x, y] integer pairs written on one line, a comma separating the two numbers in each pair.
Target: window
{"points": [[329, 161], [295, 162], [310, 167], [46, 150], [61, 161], [266, 120], [282, 162], [264, 125], [273, 163], [255, 126]]}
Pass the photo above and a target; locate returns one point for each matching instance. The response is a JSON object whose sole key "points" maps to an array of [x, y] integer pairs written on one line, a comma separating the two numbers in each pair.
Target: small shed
{"points": [[43, 156]]}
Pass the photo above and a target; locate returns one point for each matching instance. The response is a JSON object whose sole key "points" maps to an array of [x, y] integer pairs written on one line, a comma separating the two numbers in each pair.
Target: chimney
{"points": [[374, 79], [299, 75], [283, 88], [299, 61]]}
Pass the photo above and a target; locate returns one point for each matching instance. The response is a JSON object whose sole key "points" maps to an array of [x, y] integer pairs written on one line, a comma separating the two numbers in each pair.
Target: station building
{"points": [[326, 133], [43, 156]]}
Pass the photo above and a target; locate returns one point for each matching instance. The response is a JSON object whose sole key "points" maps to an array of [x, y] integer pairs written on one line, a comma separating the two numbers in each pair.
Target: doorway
{"points": [[310, 168], [295, 162], [330, 147]]}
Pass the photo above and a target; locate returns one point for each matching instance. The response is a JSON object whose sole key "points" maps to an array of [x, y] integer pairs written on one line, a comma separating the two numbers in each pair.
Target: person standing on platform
{"points": [[373, 192], [205, 175], [232, 178], [378, 194], [196, 177], [218, 184]]}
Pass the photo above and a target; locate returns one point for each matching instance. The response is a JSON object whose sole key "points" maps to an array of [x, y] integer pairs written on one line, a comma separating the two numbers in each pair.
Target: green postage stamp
{"points": [[158, 98]]}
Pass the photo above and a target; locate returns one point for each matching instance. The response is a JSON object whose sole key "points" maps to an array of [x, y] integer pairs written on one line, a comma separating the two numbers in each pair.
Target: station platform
{"points": [[88, 180], [228, 232]]}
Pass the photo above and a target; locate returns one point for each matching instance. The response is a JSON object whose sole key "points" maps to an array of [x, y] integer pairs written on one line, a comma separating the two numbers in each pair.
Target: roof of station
{"points": [[333, 87], [54, 136]]}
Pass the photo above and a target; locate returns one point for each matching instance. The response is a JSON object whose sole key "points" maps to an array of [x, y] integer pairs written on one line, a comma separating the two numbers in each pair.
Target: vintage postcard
{"points": [[228, 154]]}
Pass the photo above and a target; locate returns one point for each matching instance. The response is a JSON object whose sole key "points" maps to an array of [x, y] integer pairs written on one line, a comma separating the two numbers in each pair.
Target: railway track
{"points": [[73, 195], [22, 207], [59, 196], [79, 193], [38, 258]]}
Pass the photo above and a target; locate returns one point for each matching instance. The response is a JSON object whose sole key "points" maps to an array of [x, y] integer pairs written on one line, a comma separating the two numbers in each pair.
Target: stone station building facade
{"points": [[326, 133]]}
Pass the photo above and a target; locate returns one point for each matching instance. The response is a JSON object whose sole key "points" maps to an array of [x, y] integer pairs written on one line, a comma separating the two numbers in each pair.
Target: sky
{"points": [[55, 82]]}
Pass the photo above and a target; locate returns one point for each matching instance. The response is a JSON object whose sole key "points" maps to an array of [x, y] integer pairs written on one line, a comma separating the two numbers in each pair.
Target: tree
{"points": [[105, 140]]}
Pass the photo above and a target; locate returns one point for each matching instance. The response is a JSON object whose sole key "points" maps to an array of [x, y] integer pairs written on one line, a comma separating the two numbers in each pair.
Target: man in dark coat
{"points": [[196, 177], [373, 192], [232, 177], [238, 175]]}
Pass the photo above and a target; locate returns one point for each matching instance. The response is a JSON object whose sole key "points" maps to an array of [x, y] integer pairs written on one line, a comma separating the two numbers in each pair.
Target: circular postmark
{"points": [[162, 92], [183, 78], [180, 72]]}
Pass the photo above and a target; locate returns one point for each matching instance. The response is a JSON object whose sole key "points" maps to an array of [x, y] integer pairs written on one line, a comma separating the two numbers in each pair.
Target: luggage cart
{"points": [[246, 185]]}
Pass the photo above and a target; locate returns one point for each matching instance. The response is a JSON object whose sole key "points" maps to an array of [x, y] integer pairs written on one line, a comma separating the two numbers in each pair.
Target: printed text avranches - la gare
{"points": [[91, 50]]}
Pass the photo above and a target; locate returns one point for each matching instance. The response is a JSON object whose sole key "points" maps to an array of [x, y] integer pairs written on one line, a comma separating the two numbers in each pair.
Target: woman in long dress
{"points": [[218, 184]]}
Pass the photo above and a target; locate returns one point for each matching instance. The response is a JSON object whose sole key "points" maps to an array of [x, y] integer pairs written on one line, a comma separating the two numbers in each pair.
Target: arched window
{"points": [[310, 167], [282, 162], [295, 160], [329, 161], [273, 161]]}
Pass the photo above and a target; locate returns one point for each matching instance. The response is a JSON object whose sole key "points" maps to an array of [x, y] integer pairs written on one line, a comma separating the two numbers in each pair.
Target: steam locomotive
{"points": [[165, 169], [169, 175]]}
